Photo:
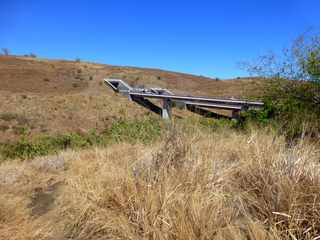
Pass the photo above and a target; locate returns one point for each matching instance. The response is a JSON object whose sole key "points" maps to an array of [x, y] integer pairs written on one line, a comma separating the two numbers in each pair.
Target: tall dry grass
{"points": [[225, 185]]}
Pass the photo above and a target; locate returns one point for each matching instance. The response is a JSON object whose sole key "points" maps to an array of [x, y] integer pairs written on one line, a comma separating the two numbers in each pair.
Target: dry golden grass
{"points": [[43, 115], [224, 185], [55, 97]]}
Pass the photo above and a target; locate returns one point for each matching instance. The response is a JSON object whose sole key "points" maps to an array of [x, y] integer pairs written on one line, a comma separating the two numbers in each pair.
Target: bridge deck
{"points": [[141, 95]]}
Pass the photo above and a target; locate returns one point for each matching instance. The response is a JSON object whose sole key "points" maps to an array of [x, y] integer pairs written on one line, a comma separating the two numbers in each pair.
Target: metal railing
{"points": [[194, 104]]}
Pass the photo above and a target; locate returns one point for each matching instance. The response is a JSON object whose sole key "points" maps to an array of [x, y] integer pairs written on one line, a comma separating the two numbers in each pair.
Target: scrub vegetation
{"points": [[190, 184], [138, 177]]}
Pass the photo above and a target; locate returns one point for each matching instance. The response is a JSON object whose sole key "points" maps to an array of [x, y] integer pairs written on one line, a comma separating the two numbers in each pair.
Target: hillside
{"points": [[39, 96], [142, 178]]}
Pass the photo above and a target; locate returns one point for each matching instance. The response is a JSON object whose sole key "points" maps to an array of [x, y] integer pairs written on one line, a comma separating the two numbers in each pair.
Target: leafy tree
{"points": [[301, 61], [291, 86]]}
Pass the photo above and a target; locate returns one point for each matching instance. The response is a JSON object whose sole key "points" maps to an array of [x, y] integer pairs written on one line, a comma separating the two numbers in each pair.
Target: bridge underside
{"points": [[198, 105]]}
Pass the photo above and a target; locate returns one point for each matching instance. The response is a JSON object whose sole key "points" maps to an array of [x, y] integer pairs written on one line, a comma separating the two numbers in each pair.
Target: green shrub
{"points": [[23, 150], [263, 116], [144, 131], [291, 88], [212, 124]]}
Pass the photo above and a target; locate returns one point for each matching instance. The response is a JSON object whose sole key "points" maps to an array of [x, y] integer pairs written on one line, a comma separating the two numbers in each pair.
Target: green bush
{"points": [[263, 116], [23, 149], [144, 131], [291, 88], [212, 124]]}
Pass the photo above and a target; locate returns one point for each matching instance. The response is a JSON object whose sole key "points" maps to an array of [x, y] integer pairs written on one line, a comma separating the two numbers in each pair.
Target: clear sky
{"points": [[201, 36]]}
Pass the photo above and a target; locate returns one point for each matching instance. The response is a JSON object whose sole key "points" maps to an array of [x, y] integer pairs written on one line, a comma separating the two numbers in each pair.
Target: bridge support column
{"points": [[235, 114], [166, 109]]}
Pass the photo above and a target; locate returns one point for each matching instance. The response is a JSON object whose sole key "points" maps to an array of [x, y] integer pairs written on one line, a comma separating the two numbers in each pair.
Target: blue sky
{"points": [[201, 37]]}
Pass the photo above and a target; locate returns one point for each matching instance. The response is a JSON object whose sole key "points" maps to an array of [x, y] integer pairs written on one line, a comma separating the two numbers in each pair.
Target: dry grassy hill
{"points": [[39, 96], [191, 181]]}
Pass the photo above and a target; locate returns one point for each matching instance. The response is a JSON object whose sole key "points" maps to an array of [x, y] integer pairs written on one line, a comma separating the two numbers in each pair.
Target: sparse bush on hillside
{"points": [[75, 85], [78, 60], [4, 128], [5, 51], [20, 118], [32, 55]]}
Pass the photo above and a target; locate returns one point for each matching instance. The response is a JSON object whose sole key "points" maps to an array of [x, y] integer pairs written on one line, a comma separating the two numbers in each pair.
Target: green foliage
{"points": [[190, 125], [312, 64], [307, 52], [144, 131], [301, 61], [262, 116], [212, 124], [291, 88], [23, 149]]}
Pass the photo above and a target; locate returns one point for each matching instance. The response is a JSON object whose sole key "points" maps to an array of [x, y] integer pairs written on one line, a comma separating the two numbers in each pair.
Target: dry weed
{"points": [[220, 186]]}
